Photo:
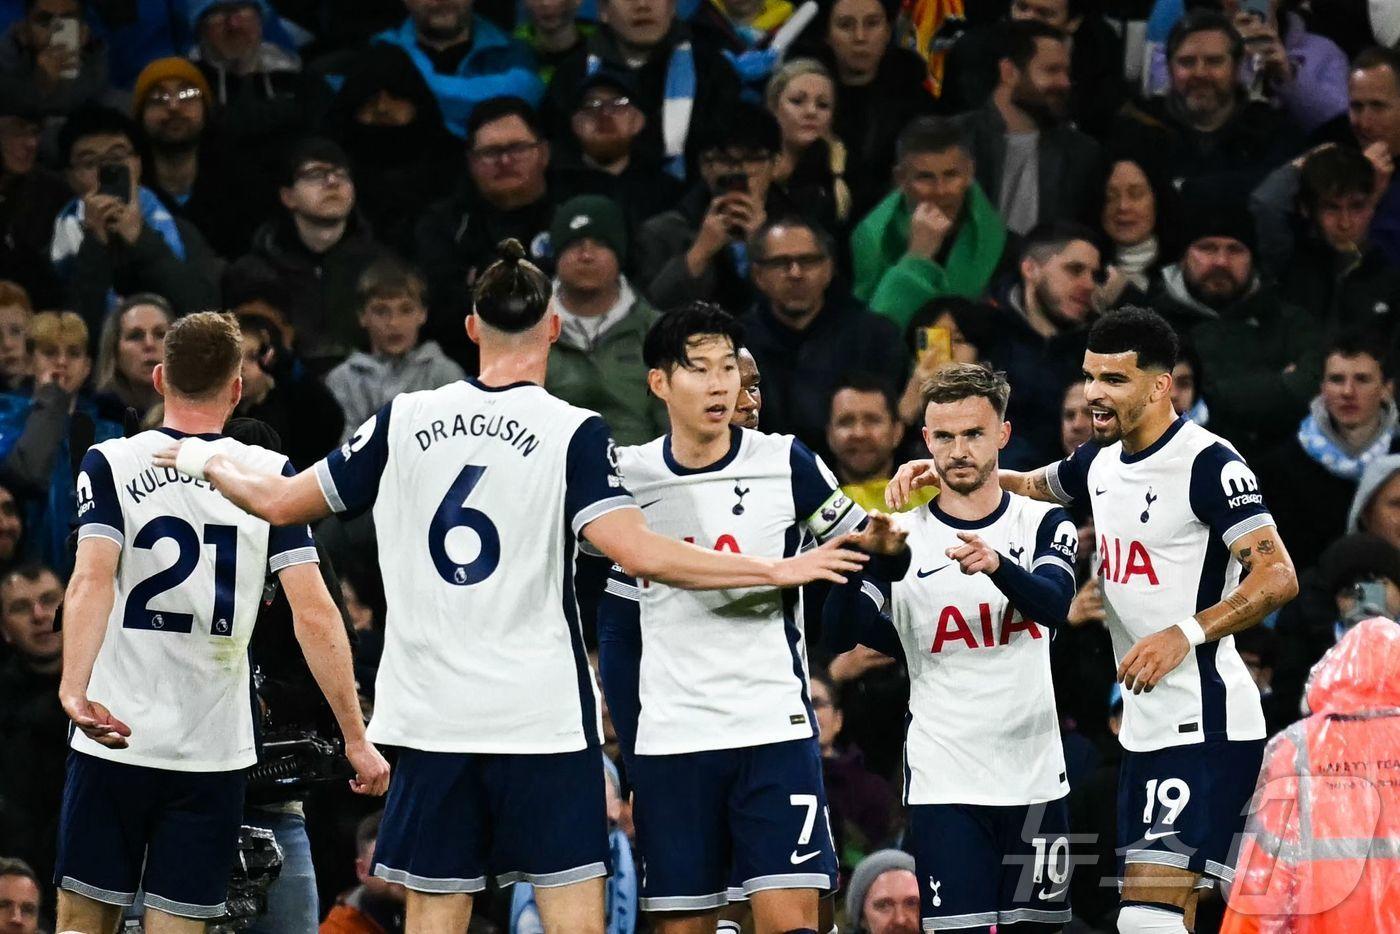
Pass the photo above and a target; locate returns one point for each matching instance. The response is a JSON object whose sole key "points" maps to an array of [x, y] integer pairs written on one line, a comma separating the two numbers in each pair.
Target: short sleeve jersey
{"points": [[1165, 518], [479, 496], [174, 661]]}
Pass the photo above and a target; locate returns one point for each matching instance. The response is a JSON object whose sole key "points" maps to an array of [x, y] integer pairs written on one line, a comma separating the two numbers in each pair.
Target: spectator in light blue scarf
{"points": [[115, 236]]}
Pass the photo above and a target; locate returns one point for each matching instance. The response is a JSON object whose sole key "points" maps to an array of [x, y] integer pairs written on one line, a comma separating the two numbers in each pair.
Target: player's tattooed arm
{"points": [[1034, 484], [1269, 583]]}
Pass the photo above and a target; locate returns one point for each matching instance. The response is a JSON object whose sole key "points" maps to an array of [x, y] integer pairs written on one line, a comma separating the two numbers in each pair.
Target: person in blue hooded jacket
{"points": [[465, 58], [45, 428]]}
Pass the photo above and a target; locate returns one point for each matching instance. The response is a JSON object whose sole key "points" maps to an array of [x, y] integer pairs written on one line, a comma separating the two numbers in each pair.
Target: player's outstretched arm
{"points": [[623, 536], [1270, 581], [277, 499], [86, 607], [321, 634], [1031, 484]]}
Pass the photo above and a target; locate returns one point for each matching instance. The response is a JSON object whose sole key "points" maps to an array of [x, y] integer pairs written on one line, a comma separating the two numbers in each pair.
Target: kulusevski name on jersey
{"points": [[727, 669], [147, 482], [982, 724], [174, 661], [1165, 518], [479, 496]]}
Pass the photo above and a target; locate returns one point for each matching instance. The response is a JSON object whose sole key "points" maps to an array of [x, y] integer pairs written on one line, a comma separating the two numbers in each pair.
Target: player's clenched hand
{"points": [[371, 771], [1152, 658], [95, 720], [912, 476], [827, 563], [880, 536], [976, 556]]}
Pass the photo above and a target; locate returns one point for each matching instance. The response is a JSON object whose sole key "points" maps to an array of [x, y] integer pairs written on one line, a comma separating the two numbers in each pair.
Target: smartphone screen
{"points": [[935, 346], [115, 179]]}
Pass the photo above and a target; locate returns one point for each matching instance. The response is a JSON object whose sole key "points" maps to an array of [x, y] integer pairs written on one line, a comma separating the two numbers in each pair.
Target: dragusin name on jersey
{"points": [[153, 478], [499, 427]]}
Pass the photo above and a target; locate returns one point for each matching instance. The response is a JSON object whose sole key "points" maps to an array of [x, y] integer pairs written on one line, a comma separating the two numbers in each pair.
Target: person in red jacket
{"points": [[1322, 849]]}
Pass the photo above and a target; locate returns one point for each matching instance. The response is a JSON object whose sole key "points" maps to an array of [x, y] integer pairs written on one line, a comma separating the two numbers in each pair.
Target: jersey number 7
{"points": [[453, 513], [224, 538]]}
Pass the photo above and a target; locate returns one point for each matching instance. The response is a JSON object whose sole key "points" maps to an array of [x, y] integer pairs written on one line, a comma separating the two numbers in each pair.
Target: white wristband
{"points": [[1194, 633], [194, 454]]}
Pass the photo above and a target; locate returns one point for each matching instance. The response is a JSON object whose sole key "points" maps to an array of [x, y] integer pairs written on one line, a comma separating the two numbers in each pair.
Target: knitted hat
{"points": [[863, 877], [311, 149], [164, 69], [589, 216], [1212, 219], [198, 9], [1357, 557]]}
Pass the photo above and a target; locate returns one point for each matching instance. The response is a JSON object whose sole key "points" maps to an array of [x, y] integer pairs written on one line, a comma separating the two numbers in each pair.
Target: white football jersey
{"points": [[174, 661], [728, 668], [1165, 520], [982, 725], [479, 495]]}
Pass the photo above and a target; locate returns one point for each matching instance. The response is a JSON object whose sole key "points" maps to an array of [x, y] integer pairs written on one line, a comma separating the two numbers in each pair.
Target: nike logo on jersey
{"points": [[1099, 492], [922, 573], [1047, 895], [652, 503], [799, 860], [1153, 835]]}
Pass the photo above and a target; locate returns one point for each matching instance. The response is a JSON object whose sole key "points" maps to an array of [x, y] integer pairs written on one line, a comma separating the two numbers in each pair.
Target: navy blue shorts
{"points": [[125, 827], [980, 865], [454, 817], [1185, 806], [756, 815]]}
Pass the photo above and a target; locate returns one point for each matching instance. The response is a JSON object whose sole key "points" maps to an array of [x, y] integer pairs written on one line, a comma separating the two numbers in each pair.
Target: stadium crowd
{"points": [[894, 186]]}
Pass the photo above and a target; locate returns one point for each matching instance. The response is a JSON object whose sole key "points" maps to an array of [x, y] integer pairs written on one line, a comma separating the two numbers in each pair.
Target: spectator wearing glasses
{"points": [[263, 101], [603, 160], [315, 250], [805, 332], [47, 74], [116, 236], [188, 169], [699, 251], [505, 194]]}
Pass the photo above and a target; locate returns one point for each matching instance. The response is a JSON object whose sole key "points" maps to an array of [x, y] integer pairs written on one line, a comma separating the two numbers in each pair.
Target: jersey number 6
{"points": [[224, 538], [454, 513]]}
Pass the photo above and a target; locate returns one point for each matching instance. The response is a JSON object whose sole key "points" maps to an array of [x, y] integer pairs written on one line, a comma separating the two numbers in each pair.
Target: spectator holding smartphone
{"points": [[50, 61], [115, 236], [698, 251]]}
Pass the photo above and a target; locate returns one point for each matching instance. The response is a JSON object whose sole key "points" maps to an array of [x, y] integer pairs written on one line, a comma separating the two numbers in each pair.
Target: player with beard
{"points": [[1031, 162], [990, 575], [1188, 555]]}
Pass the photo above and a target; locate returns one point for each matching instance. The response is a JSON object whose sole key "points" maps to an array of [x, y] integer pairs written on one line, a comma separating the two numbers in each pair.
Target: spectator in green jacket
{"points": [[597, 361], [936, 234]]}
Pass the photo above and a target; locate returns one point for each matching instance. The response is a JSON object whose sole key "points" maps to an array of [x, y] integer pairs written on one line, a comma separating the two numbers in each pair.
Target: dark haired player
{"points": [[481, 491], [1187, 556], [726, 757]]}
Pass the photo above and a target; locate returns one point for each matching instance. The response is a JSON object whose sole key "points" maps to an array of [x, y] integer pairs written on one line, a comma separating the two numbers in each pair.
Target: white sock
{"points": [[729, 927], [1143, 919]]}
